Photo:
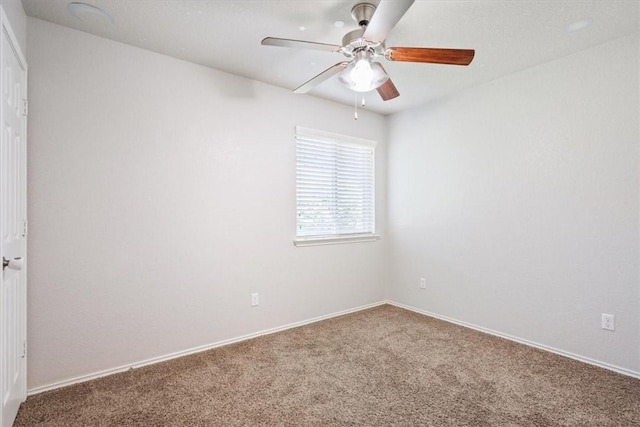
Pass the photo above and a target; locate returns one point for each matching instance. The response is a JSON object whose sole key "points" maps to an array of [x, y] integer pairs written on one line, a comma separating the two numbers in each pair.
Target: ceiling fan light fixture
{"points": [[362, 75]]}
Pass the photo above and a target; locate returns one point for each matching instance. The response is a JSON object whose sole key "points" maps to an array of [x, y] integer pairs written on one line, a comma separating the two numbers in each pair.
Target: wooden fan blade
{"points": [[430, 55], [300, 44], [326, 74], [388, 91], [386, 16]]}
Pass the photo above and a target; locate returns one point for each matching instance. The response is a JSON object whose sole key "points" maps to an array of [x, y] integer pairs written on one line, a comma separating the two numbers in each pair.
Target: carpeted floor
{"points": [[383, 366]]}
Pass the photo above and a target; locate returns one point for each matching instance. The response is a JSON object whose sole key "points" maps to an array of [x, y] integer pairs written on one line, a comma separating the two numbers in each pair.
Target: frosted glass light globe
{"points": [[362, 75]]}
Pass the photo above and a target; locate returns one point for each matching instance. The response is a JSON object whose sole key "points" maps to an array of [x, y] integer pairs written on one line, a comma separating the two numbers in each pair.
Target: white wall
{"points": [[161, 194], [18, 21], [518, 201]]}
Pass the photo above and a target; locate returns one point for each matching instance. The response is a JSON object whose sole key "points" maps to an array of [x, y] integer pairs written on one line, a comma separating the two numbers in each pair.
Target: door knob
{"points": [[14, 264]]}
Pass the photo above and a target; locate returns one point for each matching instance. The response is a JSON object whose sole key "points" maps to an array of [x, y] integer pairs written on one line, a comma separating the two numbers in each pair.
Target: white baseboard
{"points": [[104, 373], [578, 357], [206, 347]]}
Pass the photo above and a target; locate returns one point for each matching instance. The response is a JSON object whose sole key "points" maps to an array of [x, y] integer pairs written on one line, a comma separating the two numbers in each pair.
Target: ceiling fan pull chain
{"points": [[355, 105], [363, 102]]}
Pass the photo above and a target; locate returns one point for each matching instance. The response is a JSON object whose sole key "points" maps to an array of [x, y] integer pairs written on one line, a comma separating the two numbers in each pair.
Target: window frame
{"points": [[307, 134]]}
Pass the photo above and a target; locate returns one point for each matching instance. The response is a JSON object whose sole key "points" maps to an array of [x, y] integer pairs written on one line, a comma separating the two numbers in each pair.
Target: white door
{"points": [[13, 214]]}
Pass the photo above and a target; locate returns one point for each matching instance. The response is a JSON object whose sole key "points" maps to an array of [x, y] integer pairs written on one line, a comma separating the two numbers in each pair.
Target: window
{"points": [[335, 188]]}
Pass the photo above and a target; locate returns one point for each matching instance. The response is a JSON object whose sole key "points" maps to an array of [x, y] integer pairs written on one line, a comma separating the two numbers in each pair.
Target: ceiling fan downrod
{"points": [[362, 13]]}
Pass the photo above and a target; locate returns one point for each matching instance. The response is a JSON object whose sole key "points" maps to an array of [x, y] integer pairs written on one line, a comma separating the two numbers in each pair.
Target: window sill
{"points": [[335, 240]]}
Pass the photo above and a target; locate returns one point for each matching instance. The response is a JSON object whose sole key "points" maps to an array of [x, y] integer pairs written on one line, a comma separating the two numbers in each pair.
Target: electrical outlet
{"points": [[423, 283], [608, 322], [255, 300]]}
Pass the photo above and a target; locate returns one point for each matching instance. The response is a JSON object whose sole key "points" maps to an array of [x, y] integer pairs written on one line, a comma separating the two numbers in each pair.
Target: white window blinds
{"points": [[335, 185]]}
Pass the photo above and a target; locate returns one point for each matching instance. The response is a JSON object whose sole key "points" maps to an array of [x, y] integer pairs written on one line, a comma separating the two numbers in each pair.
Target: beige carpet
{"points": [[383, 366]]}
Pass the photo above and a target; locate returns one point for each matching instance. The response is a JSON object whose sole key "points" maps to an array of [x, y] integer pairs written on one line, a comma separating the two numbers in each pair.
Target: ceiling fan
{"points": [[360, 72]]}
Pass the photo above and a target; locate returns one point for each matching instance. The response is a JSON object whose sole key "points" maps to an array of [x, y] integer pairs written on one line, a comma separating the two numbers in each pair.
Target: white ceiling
{"points": [[507, 36]]}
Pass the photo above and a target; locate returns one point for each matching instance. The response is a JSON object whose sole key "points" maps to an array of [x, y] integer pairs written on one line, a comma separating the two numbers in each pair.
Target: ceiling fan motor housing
{"points": [[353, 42], [353, 39]]}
